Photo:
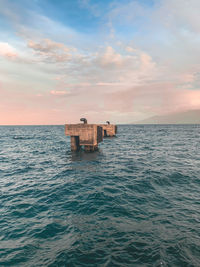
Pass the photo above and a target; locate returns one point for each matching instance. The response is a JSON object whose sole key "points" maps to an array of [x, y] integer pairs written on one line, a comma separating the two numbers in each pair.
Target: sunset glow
{"points": [[122, 61]]}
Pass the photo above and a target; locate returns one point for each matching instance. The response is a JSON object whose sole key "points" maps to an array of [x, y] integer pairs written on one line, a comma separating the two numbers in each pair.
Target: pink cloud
{"points": [[152, 99], [51, 51], [47, 45], [111, 57], [7, 51], [59, 92]]}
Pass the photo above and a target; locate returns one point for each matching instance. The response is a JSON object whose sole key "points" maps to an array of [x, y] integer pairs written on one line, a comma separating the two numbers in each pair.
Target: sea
{"points": [[135, 202]]}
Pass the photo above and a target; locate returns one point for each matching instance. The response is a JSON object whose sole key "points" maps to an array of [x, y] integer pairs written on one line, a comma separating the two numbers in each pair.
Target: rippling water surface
{"points": [[135, 202]]}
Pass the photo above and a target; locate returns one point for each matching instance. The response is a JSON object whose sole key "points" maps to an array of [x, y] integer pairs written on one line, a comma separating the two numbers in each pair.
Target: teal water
{"points": [[135, 202]]}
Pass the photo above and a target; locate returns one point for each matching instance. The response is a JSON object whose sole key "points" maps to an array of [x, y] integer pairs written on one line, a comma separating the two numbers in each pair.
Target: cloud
{"points": [[50, 51], [110, 57], [47, 45], [152, 99], [7, 51], [149, 66], [183, 15], [60, 92], [111, 66]]}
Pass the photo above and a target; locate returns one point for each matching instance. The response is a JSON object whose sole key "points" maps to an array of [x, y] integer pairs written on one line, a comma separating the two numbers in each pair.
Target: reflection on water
{"points": [[86, 156], [86, 161]]}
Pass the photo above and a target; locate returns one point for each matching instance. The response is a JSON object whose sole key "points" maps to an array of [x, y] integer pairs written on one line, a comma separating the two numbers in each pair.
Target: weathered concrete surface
{"points": [[75, 145], [108, 129], [88, 135]]}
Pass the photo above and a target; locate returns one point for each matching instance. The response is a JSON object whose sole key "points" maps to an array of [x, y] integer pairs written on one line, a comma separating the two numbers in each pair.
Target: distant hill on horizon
{"points": [[186, 117]]}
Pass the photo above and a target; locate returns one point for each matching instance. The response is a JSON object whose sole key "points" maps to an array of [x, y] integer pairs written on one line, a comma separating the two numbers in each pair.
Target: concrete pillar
{"points": [[91, 148], [88, 135], [75, 146]]}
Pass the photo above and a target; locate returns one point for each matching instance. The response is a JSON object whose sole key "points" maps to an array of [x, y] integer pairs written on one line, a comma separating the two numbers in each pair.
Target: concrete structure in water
{"points": [[108, 129], [87, 135]]}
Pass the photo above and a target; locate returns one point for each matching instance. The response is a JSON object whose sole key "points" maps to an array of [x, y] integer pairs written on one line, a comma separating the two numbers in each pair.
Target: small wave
{"points": [[133, 203], [22, 138]]}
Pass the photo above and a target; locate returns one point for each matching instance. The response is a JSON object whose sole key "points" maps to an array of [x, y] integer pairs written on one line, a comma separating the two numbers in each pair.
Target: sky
{"points": [[116, 60]]}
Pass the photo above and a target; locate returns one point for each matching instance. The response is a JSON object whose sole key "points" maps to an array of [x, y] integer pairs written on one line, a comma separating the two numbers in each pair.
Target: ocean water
{"points": [[135, 202]]}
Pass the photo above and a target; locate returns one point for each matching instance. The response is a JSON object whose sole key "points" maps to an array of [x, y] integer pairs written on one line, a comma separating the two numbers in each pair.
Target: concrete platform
{"points": [[108, 130], [87, 135]]}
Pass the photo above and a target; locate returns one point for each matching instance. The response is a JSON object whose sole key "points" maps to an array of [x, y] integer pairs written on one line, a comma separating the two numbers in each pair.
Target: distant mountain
{"points": [[186, 117]]}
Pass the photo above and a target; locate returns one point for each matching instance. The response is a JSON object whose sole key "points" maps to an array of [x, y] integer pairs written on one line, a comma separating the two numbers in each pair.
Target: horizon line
{"points": [[101, 123]]}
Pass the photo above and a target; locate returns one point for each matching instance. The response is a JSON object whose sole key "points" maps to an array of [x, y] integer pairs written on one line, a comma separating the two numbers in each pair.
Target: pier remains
{"points": [[108, 129], [84, 134]]}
